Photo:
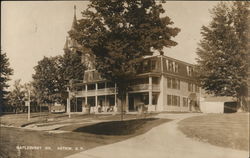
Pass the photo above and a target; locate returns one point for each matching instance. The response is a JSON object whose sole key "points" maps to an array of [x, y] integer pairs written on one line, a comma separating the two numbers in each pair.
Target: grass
{"points": [[21, 120], [225, 130], [84, 136]]}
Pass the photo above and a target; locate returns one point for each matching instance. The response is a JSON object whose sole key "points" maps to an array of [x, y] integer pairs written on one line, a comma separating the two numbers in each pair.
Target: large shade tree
{"points": [[52, 76], [46, 80], [71, 66], [5, 73], [71, 69], [120, 33], [223, 50]]}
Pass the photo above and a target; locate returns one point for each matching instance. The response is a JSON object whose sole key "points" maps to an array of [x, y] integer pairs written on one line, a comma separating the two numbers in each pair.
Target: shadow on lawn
{"points": [[126, 127]]}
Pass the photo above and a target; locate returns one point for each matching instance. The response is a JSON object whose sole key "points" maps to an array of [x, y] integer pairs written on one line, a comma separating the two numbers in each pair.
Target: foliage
{"points": [[30, 90], [223, 50], [71, 66], [52, 75], [5, 72], [17, 96], [121, 33], [46, 80]]}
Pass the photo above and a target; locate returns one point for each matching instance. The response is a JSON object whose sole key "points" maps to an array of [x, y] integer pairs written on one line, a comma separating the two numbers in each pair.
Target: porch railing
{"points": [[105, 91]]}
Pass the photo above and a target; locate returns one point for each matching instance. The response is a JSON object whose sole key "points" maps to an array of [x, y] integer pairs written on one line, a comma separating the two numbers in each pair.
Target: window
{"points": [[110, 85], [167, 65], [169, 101], [175, 100], [174, 83], [91, 86], [170, 66], [190, 87], [155, 80], [189, 70], [176, 68], [153, 64], [146, 65], [185, 102], [178, 101], [111, 100], [80, 88], [169, 82], [197, 88], [101, 85], [154, 99], [179, 84], [139, 81], [90, 76], [145, 98]]}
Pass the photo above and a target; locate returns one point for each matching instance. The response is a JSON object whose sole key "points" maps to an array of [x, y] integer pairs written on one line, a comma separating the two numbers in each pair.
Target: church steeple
{"points": [[74, 24]]}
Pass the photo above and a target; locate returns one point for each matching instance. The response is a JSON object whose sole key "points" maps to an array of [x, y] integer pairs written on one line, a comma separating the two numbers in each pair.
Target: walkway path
{"points": [[50, 127], [164, 141]]}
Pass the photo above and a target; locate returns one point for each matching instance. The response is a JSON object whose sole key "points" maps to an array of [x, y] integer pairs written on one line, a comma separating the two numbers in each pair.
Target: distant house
{"points": [[57, 108], [212, 104]]}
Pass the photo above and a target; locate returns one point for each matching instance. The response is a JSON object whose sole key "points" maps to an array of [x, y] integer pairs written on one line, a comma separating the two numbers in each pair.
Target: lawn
{"points": [[79, 137], [21, 120], [226, 130]]}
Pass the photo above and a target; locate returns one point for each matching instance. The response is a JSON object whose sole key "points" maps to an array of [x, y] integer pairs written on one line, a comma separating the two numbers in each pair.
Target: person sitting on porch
{"points": [[99, 108]]}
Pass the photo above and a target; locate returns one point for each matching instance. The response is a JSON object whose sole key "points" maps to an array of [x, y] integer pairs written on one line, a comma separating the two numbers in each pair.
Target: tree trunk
{"points": [[244, 104], [122, 105], [240, 107], [122, 89]]}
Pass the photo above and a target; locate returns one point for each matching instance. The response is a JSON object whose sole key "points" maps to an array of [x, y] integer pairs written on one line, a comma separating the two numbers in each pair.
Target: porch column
{"points": [[150, 91], [86, 96], [68, 101], [96, 99], [115, 95], [105, 94], [68, 105], [126, 102], [160, 106]]}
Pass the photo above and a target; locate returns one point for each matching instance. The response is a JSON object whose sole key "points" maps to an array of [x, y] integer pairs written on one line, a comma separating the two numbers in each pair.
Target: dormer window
{"points": [[170, 66], [176, 68], [189, 70], [167, 65], [153, 64]]}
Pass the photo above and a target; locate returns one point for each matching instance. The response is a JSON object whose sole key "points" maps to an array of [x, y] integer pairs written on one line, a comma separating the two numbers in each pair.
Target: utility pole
{"points": [[68, 101], [28, 104]]}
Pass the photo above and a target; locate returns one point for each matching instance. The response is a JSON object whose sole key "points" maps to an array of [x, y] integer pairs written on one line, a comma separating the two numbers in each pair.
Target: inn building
{"points": [[162, 84]]}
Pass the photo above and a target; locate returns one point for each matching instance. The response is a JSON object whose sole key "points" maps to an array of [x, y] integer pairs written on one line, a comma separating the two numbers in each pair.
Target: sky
{"points": [[31, 30]]}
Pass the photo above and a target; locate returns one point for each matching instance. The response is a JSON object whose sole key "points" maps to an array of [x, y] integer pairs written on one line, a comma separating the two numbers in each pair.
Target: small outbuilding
{"points": [[218, 105]]}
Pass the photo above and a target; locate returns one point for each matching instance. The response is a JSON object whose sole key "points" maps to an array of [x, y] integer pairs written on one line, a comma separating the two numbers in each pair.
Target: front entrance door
{"points": [[131, 106]]}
